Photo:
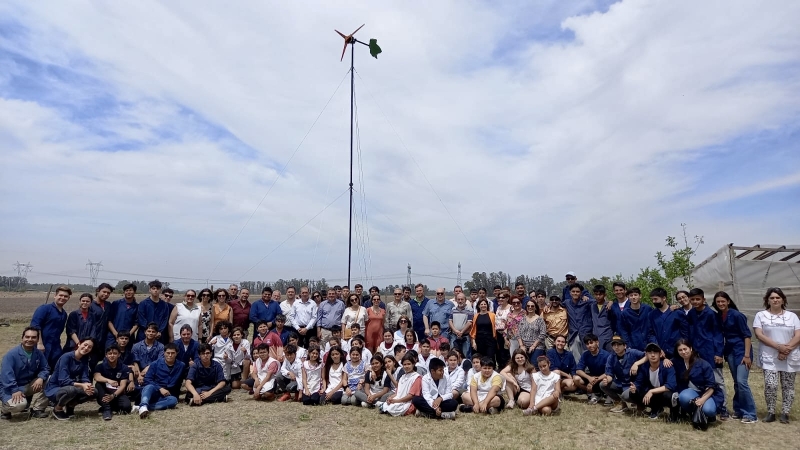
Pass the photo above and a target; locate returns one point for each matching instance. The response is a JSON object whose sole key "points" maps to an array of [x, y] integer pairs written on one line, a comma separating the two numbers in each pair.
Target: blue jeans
{"points": [[743, 403], [709, 407], [462, 344], [151, 393]]}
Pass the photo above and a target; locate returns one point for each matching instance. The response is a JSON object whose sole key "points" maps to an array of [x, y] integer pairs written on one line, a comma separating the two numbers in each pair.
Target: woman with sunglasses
{"points": [[532, 332], [185, 313], [204, 324], [375, 319], [316, 296], [403, 325], [221, 312], [354, 313], [512, 325]]}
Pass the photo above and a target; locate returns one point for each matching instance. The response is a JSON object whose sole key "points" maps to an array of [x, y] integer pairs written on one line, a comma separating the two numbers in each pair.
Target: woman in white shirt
{"points": [[778, 331], [519, 377], [399, 403], [185, 313], [354, 313], [313, 389], [334, 376], [545, 390], [387, 346]]}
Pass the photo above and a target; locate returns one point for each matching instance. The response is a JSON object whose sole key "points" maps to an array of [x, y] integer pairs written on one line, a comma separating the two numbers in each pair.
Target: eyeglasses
{"points": [[316, 296], [503, 297], [190, 296], [571, 278], [516, 303], [205, 295], [167, 295], [221, 296], [440, 293], [403, 321], [398, 293]]}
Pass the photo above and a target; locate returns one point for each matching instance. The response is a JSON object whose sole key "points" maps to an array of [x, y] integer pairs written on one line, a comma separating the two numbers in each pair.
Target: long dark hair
{"points": [[329, 361], [727, 297], [692, 357], [379, 375]]}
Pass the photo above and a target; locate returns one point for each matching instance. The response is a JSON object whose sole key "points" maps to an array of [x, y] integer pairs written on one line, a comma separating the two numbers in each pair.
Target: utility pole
{"points": [[458, 280], [94, 270], [22, 274], [408, 278]]}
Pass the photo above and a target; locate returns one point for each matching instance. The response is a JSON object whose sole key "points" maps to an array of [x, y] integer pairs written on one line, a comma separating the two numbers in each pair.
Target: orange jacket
{"points": [[475, 328]]}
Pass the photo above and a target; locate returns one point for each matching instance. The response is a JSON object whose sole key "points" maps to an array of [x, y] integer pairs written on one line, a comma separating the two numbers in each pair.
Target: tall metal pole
{"points": [[352, 100]]}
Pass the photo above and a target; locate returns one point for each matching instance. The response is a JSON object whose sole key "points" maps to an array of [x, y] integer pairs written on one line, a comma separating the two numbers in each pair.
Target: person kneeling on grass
{"points": [[590, 369], [162, 383], [655, 384], [24, 373], [617, 379], [265, 369], [436, 400], [206, 380], [290, 377], [399, 404], [545, 390], [112, 379], [484, 391], [70, 384]]}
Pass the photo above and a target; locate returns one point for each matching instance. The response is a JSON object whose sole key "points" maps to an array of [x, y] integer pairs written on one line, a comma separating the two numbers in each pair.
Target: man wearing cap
{"points": [[571, 279], [655, 384], [617, 379]]}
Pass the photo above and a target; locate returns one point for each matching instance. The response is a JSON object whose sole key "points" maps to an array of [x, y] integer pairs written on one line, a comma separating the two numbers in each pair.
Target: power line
{"points": [[423, 173], [94, 270], [278, 175], [292, 235]]}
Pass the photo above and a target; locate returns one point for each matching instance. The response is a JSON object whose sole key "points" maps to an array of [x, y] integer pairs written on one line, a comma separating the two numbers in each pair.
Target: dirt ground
{"points": [[243, 422]]}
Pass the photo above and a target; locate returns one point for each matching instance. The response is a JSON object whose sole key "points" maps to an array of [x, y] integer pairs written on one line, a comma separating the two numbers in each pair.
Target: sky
{"points": [[203, 141]]}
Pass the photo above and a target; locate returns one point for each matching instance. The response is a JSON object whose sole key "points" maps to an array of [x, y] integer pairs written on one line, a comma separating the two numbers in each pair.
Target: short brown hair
{"points": [[64, 289]]}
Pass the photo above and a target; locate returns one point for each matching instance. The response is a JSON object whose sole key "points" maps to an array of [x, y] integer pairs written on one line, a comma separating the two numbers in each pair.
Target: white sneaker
{"points": [[448, 415], [143, 412], [364, 405], [134, 409], [379, 405], [510, 404]]}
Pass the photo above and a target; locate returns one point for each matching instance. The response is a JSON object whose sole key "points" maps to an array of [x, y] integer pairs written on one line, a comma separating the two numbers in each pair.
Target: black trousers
{"points": [[503, 356], [313, 399], [657, 401], [121, 404], [486, 346], [422, 406], [303, 340], [217, 396]]}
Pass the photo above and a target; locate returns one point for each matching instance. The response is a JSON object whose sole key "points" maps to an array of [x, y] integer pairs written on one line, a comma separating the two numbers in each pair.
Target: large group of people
{"points": [[411, 355]]}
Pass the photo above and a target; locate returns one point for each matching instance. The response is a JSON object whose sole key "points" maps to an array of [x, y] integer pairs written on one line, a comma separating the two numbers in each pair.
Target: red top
{"points": [[241, 314]]}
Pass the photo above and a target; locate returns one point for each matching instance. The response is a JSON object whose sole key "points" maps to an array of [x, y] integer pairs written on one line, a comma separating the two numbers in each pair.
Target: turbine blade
{"points": [[340, 33], [344, 49], [354, 32]]}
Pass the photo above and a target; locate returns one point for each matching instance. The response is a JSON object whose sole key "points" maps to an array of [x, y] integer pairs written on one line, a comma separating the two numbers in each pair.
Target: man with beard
{"points": [[668, 324]]}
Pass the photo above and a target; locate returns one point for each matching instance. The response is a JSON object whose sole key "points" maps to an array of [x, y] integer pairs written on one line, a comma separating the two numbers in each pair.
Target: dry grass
{"points": [[244, 422]]}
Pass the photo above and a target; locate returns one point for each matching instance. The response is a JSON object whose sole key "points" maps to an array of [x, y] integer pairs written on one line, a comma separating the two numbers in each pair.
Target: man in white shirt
{"points": [[436, 400], [286, 305], [303, 316]]}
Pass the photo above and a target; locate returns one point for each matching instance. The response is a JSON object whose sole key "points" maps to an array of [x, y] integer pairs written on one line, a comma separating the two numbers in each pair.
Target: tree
{"points": [[680, 264]]}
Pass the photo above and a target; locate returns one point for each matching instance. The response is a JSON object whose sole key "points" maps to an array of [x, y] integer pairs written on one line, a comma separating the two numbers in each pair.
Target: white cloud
{"points": [[553, 155]]}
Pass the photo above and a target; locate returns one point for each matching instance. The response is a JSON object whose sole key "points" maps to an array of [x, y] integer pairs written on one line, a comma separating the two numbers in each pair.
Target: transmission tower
{"points": [[458, 280], [94, 270], [408, 278], [22, 273]]}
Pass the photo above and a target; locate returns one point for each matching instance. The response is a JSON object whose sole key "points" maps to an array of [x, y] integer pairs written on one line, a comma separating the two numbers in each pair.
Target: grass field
{"points": [[243, 423]]}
